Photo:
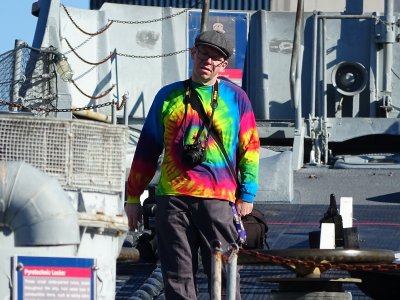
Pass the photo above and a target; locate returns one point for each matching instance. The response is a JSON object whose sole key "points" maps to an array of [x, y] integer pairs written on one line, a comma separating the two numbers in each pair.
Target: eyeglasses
{"points": [[203, 55]]}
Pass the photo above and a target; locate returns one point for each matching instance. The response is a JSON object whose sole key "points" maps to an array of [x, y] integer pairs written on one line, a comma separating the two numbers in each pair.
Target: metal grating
{"points": [[28, 78], [82, 155], [218, 4]]}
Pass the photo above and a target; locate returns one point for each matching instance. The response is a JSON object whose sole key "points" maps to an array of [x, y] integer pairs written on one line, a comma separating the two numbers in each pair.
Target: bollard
{"points": [[216, 271], [232, 273]]}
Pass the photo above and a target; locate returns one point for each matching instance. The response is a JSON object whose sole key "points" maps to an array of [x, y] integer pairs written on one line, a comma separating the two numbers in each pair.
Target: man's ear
{"points": [[192, 51]]}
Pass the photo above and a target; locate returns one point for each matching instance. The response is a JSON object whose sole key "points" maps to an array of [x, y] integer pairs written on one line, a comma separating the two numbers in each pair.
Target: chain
{"points": [[101, 95], [153, 56], [123, 102], [123, 54], [100, 31], [323, 266], [104, 28], [110, 22], [90, 63], [85, 73], [78, 46], [230, 253], [47, 110]]}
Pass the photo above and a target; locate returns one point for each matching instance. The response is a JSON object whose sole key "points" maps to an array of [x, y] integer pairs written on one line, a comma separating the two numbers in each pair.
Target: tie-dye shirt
{"points": [[166, 130]]}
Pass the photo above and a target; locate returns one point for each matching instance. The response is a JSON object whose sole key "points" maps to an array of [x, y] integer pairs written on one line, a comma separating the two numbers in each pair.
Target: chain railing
{"points": [[126, 22], [123, 22], [48, 110], [34, 81], [309, 264], [29, 82]]}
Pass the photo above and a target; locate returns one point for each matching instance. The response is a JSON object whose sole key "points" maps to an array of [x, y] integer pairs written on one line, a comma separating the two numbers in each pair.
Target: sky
{"points": [[17, 22]]}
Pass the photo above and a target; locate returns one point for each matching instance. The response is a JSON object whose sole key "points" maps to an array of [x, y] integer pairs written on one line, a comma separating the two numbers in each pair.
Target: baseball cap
{"points": [[216, 39]]}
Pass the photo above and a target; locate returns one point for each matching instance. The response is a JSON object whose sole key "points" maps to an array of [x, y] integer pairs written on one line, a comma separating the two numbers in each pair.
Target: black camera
{"points": [[193, 154]]}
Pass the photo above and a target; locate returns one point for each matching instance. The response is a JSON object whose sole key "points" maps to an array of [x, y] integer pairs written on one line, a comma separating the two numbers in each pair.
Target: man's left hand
{"points": [[243, 208]]}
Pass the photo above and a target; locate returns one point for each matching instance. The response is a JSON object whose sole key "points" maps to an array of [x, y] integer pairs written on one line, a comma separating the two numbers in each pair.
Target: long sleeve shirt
{"points": [[167, 129]]}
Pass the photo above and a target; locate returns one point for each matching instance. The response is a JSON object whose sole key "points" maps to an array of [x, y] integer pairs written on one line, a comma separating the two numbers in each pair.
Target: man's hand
{"points": [[243, 208], [134, 214]]}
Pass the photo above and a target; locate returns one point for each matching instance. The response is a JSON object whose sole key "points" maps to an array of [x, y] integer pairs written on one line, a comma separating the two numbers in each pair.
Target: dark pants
{"points": [[184, 225]]}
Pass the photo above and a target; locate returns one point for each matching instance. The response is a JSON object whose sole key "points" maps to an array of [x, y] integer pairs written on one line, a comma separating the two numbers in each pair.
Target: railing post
{"points": [[16, 74], [232, 273], [216, 271]]}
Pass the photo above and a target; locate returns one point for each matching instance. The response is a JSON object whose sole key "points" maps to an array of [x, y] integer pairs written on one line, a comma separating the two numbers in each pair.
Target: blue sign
{"points": [[54, 278]]}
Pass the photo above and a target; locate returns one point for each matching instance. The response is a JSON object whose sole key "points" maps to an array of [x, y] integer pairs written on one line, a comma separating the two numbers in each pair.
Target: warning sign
{"points": [[54, 278]]}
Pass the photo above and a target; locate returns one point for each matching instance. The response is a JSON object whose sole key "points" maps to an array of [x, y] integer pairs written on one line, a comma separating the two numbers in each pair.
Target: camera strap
{"points": [[192, 98], [196, 104]]}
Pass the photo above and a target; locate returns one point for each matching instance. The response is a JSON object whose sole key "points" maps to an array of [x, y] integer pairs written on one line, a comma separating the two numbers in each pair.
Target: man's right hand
{"points": [[134, 214]]}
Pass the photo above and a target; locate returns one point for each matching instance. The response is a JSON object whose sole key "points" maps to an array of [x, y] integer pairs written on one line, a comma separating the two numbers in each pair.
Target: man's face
{"points": [[207, 64]]}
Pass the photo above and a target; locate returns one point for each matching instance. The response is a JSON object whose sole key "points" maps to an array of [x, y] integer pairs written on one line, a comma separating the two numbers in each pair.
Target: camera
{"points": [[193, 154]]}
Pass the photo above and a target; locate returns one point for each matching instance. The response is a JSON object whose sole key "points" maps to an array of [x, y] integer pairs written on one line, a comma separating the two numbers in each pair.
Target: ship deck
{"points": [[289, 225]]}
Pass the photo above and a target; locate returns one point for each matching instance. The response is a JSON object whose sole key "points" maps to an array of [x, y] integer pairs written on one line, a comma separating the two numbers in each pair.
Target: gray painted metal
{"points": [[372, 186], [330, 39], [267, 78], [29, 210], [342, 129], [275, 177], [216, 273], [269, 88], [38, 218], [215, 4], [138, 76], [270, 46]]}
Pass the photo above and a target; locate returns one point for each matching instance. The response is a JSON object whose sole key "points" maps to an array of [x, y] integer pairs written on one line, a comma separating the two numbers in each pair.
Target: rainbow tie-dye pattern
{"points": [[166, 129]]}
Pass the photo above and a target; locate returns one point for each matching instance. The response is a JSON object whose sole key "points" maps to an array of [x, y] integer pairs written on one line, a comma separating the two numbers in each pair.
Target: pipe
{"points": [[297, 41], [129, 254], [314, 64], [126, 114], [216, 271], [35, 207], [334, 16], [323, 66], [151, 288], [388, 54], [325, 94], [232, 273], [92, 115], [204, 15], [16, 73], [297, 88]]}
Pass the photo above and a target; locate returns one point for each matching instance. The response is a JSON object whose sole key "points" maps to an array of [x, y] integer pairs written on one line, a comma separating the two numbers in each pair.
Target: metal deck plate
{"points": [[289, 225]]}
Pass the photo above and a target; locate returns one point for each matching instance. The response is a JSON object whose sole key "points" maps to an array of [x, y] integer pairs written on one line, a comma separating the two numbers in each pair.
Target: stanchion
{"points": [[230, 258], [216, 271], [232, 272]]}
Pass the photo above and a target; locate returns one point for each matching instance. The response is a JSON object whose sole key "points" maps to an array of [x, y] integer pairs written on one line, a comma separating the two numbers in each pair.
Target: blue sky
{"points": [[17, 22]]}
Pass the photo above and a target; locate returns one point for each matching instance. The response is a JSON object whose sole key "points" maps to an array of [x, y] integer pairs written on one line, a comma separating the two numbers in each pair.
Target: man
{"points": [[193, 197]]}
